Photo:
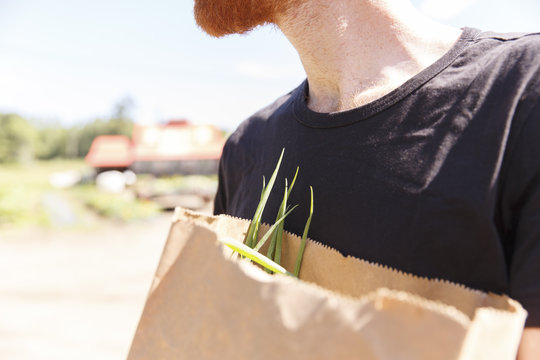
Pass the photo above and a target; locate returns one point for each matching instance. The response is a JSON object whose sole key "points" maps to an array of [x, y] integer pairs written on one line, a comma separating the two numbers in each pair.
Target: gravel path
{"points": [[76, 294]]}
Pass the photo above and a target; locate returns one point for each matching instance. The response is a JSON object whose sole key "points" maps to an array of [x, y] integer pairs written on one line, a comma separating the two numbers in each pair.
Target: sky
{"points": [[71, 61]]}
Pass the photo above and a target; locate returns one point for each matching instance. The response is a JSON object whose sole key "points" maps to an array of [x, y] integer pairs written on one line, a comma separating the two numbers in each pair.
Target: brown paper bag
{"points": [[206, 304]]}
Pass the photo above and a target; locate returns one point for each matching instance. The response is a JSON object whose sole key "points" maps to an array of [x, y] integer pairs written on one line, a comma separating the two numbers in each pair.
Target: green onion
{"points": [[278, 233], [304, 237], [253, 231], [272, 246], [251, 246], [277, 236], [271, 230], [260, 259]]}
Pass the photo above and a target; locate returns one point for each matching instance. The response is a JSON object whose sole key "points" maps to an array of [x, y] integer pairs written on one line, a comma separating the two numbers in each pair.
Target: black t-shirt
{"points": [[439, 178]]}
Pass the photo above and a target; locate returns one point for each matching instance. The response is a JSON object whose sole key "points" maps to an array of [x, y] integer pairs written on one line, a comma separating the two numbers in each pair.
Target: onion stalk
{"points": [[251, 246]]}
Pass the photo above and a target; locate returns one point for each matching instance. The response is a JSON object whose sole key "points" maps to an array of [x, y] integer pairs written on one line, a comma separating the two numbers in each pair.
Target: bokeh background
{"points": [[72, 61], [78, 251]]}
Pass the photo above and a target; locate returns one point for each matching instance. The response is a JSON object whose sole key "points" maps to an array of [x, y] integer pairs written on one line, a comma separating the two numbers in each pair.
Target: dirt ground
{"points": [[76, 294]]}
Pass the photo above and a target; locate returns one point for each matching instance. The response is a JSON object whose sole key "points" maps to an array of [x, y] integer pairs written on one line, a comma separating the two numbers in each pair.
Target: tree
{"points": [[17, 139], [51, 142], [120, 123], [22, 141]]}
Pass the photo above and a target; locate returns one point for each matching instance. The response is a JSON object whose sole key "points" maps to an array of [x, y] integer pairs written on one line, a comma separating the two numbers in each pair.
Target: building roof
{"points": [[177, 141], [174, 141], [110, 151]]}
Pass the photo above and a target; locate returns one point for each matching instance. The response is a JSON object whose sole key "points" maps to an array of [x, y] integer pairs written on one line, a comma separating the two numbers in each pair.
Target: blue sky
{"points": [[71, 60]]}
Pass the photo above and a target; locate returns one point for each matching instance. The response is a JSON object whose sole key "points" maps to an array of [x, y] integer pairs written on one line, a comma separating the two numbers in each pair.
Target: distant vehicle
{"points": [[177, 147]]}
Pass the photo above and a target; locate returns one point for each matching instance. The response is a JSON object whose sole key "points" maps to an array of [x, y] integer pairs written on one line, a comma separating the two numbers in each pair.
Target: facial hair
{"points": [[224, 17]]}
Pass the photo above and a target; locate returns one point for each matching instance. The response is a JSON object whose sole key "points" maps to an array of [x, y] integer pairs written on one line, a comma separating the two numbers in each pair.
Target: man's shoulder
{"points": [[522, 49], [508, 37], [509, 60], [263, 120]]}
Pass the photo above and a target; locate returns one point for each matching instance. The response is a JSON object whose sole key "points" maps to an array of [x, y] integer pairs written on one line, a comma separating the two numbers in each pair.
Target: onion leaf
{"points": [[271, 230], [304, 238], [253, 230], [255, 256]]}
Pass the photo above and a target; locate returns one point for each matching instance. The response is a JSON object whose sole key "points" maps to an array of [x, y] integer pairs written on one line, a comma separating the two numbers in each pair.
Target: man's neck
{"points": [[355, 51]]}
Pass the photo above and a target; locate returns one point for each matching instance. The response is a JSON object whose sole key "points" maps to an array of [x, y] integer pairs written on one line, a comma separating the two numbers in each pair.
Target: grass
{"points": [[171, 184], [22, 189], [123, 206], [20, 206]]}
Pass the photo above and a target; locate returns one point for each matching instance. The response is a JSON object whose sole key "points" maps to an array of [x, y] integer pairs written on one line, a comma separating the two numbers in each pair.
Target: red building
{"points": [[177, 147]]}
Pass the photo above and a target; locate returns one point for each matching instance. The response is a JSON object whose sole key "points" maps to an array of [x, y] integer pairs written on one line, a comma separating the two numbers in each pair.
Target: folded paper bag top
{"points": [[205, 304]]}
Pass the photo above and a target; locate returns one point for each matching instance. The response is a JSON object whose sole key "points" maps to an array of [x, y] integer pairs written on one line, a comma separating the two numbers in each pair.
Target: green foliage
{"points": [[20, 206], [17, 139], [304, 237], [252, 254], [22, 140], [23, 188], [119, 123], [253, 231], [123, 207], [51, 142], [252, 245]]}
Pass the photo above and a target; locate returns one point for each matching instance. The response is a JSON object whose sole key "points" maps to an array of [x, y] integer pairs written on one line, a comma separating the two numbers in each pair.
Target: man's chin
{"points": [[219, 18], [219, 30]]}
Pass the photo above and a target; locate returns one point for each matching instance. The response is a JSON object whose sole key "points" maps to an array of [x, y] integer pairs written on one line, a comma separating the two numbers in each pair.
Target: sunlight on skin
{"points": [[343, 24], [530, 344]]}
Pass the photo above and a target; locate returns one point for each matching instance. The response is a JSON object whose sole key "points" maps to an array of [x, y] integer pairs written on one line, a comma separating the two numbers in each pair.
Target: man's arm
{"points": [[529, 348], [522, 212]]}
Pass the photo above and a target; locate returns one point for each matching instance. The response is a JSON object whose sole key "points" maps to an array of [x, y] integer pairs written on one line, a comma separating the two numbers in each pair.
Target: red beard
{"points": [[224, 17]]}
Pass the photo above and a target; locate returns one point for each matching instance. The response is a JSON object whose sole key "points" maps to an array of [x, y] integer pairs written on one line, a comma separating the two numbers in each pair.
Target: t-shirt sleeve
{"points": [[220, 200], [522, 201]]}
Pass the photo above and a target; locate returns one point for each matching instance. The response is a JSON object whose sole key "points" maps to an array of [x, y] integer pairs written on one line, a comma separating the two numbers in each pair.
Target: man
{"points": [[421, 141]]}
